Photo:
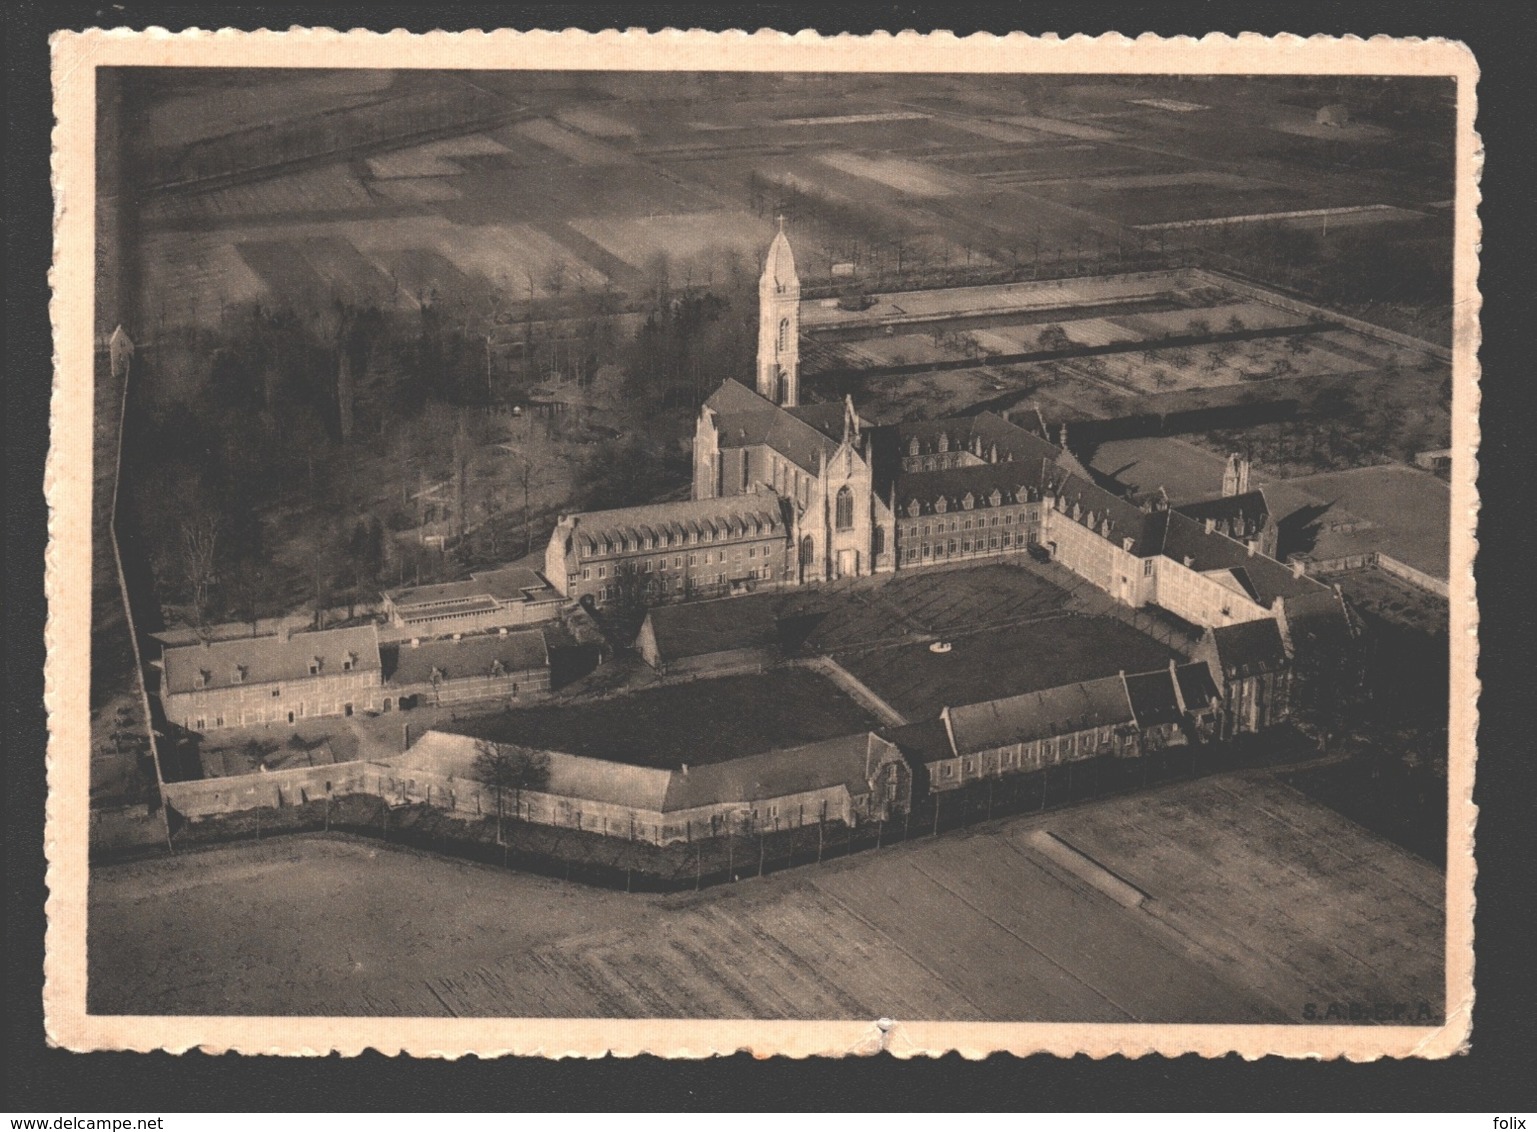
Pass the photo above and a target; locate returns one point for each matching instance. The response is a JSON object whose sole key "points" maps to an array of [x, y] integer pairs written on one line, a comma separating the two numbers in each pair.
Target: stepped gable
{"points": [[266, 660], [1039, 715], [848, 760], [760, 512]]}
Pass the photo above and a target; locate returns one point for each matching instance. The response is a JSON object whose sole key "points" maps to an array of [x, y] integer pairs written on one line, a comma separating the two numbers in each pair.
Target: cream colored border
{"points": [[68, 486]]}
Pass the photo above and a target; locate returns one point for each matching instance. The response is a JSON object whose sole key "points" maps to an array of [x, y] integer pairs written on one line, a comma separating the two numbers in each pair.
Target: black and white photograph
{"points": [[755, 545]]}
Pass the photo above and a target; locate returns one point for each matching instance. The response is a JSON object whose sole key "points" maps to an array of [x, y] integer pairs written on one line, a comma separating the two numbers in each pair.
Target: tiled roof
{"points": [[1127, 520], [1040, 715], [1196, 685], [266, 660], [1153, 701], [846, 760], [826, 417], [1250, 647], [1249, 507], [733, 513], [924, 742], [468, 657], [1268, 579], [1014, 482]]}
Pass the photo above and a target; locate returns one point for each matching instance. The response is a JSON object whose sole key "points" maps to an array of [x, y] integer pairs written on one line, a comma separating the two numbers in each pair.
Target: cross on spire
{"points": [[781, 222]]}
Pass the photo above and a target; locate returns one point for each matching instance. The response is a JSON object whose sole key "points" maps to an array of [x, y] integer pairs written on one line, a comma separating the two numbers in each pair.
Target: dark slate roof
{"points": [[825, 416], [847, 760], [1153, 701], [744, 419], [977, 434], [267, 660], [923, 742], [1250, 647], [1266, 578], [698, 628], [467, 657], [1320, 622], [1014, 482], [1040, 715], [1250, 507], [1196, 685], [726, 513], [1127, 520]]}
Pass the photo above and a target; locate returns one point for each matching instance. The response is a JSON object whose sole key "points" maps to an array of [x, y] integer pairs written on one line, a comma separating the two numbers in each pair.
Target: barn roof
{"points": [[1039, 715], [848, 760], [467, 657], [266, 660]]}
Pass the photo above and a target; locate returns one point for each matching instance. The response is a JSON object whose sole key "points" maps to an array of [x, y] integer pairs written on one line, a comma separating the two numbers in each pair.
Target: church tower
{"points": [[779, 325]]}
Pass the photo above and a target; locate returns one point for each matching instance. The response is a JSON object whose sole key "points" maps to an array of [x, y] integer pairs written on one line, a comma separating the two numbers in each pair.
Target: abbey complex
{"points": [[792, 494]]}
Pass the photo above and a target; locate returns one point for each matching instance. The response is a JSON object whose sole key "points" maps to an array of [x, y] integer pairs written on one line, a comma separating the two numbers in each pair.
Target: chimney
{"points": [[416, 642], [684, 768], [1211, 525], [1298, 567]]}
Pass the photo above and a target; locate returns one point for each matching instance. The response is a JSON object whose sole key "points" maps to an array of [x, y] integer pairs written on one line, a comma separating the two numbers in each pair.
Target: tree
{"points": [[199, 560], [506, 768]]}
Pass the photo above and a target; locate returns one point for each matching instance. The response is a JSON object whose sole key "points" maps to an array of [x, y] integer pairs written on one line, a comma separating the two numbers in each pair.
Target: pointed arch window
{"points": [[784, 335], [845, 509]]}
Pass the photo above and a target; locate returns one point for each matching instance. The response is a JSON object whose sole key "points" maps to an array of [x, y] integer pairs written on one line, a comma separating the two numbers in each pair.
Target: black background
{"points": [[1494, 1077]]}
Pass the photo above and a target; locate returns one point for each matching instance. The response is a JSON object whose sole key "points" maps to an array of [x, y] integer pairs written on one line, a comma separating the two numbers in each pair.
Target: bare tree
{"points": [[199, 558], [509, 769], [528, 475]]}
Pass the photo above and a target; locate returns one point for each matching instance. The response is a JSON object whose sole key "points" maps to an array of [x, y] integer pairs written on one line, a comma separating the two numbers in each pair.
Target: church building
{"points": [[815, 493]]}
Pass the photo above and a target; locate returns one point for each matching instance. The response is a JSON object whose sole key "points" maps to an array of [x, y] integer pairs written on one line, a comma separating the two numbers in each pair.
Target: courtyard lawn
{"points": [[1004, 662], [704, 721]]}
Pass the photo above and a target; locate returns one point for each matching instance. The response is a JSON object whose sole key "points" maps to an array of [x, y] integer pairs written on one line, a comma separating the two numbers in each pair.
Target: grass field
{"points": [[1410, 511], [701, 722], [1260, 901], [1004, 662]]}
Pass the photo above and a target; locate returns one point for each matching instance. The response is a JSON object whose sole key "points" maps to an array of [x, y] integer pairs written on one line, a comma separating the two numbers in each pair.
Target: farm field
{"points": [[1259, 900], [698, 722], [972, 176]]}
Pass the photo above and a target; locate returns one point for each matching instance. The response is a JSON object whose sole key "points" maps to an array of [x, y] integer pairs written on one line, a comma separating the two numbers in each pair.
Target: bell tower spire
{"points": [[779, 300]]}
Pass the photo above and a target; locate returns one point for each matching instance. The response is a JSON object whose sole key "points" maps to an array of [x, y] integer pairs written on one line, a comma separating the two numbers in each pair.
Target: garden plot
{"points": [[908, 177], [1197, 178], [434, 159], [417, 190], [680, 237], [1066, 129], [1218, 319], [188, 277], [329, 188], [210, 112], [998, 131], [595, 122], [578, 147]]}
